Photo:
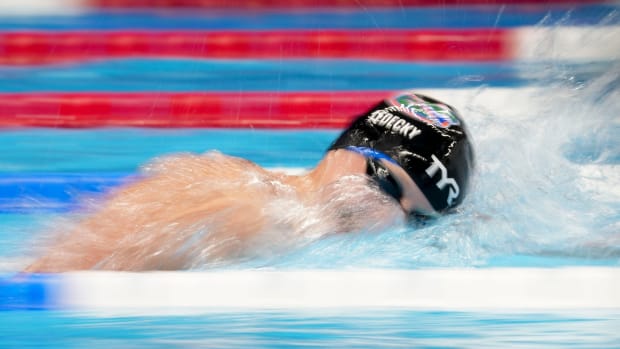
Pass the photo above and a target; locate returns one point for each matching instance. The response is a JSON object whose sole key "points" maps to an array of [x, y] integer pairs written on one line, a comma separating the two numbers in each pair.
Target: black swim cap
{"points": [[426, 137]]}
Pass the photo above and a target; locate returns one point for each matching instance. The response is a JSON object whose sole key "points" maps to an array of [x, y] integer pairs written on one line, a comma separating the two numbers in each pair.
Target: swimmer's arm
{"points": [[141, 228], [82, 244]]}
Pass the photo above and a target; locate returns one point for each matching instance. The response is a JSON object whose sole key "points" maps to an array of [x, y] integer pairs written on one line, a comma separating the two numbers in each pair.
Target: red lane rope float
{"points": [[236, 110], [41, 47], [267, 4]]}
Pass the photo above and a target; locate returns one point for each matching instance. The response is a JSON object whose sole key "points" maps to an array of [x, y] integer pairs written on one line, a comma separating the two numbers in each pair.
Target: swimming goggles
{"points": [[380, 174]]}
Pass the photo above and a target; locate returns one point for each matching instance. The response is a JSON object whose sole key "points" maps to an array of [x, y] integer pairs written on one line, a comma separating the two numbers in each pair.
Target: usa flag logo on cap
{"points": [[436, 114]]}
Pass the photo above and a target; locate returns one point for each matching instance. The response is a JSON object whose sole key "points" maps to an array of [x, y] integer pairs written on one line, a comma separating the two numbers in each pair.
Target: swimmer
{"points": [[410, 155]]}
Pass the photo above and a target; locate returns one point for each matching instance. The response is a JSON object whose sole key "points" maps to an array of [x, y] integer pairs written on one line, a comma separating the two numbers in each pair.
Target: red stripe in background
{"points": [[239, 110], [267, 4], [41, 47]]}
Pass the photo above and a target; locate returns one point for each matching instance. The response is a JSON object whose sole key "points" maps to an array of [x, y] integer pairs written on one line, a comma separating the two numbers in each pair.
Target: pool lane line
{"points": [[464, 45], [290, 110], [438, 289], [241, 109], [26, 194], [31, 48], [284, 111]]}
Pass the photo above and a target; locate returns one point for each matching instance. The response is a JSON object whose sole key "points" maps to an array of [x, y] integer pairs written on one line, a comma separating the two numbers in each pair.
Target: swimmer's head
{"points": [[419, 137]]}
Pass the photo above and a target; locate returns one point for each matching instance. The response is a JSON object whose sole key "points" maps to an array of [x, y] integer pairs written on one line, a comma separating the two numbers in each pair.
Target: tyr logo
{"points": [[453, 191]]}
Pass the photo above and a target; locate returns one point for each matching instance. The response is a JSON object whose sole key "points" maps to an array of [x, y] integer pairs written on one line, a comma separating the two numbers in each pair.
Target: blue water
{"points": [[545, 192], [359, 18], [132, 75], [123, 150], [317, 329]]}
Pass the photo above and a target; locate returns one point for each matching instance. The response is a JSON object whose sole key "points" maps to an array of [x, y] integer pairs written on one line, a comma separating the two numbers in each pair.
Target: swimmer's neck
{"points": [[335, 165]]}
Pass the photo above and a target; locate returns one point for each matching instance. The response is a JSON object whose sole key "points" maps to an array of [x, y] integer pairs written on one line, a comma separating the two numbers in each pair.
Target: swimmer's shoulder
{"points": [[228, 161], [208, 161]]}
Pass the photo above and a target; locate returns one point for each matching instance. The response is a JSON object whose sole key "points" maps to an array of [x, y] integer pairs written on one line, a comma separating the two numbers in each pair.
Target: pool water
{"points": [[545, 194], [281, 329]]}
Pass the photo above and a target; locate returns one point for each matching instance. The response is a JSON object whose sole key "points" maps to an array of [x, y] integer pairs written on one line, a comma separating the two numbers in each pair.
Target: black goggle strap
{"points": [[383, 178], [379, 173]]}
